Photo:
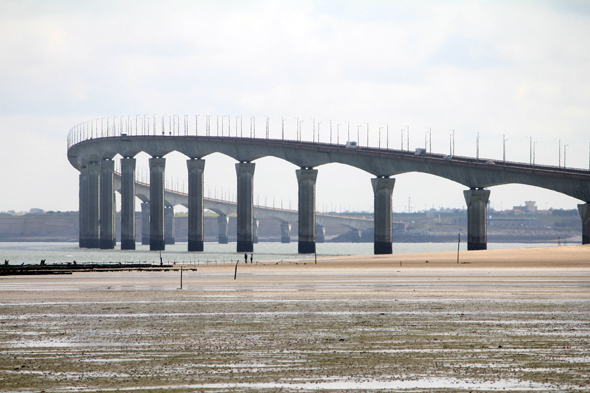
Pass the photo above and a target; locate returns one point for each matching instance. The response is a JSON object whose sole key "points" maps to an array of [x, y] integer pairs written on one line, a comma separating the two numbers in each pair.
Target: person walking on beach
{"points": [[245, 257], [251, 258]]}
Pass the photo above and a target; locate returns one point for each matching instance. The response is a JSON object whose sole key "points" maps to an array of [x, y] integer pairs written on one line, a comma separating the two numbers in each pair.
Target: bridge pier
{"points": [[128, 203], [157, 168], [222, 221], [83, 207], [169, 225], [382, 190], [477, 207], [320, 233], [145, 223], [107, 205], [285, 232], [93, 205], [245, 174], [356, 235], [255, 224], [306, 178], [196, 168], [584, 210]]}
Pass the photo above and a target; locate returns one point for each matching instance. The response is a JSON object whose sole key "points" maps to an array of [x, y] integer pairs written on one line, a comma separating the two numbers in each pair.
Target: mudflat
{"points": [[497, 320]]}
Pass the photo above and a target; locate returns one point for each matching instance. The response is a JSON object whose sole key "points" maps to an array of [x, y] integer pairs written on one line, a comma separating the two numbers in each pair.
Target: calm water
{"points": [[25, 252]]}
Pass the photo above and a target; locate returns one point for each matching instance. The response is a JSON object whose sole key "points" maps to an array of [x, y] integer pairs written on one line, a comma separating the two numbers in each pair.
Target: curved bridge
{"points": [[92, 154]]}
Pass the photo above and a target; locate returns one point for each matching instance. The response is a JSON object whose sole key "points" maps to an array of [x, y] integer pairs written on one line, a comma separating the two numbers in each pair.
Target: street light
{"points": [[559, 153], [402, 140], [564, 154], [534, 145], [477, 147]]}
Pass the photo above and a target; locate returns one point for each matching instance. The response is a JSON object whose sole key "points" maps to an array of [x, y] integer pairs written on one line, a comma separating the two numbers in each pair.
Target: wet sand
{"points": [[501, 319]]}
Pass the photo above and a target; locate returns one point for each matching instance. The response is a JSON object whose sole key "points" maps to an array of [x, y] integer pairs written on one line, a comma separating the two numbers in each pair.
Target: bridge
{"points": [[224, 208], [91, 150]]}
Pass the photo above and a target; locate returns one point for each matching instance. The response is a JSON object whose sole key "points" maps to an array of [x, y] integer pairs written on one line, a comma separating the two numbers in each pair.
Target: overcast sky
{"points": [[519, 68]]}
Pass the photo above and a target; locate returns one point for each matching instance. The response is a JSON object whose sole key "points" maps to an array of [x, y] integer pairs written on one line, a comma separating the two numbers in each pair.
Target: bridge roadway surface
{"points": [[475, 174]]}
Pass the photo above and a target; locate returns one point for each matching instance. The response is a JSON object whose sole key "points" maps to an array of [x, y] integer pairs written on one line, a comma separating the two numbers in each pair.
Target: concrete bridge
{"points": [[91, 151], [224, 208]]}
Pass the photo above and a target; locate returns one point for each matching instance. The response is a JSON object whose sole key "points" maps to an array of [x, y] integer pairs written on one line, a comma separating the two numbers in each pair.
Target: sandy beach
{"points": [[497, 320]]}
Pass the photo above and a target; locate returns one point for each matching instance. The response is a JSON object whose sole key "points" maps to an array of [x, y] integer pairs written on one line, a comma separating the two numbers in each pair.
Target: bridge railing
{"points": [[225, 126]]}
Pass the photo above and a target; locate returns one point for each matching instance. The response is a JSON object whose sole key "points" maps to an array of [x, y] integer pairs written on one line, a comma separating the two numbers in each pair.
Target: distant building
{"points": [[529, 207]]}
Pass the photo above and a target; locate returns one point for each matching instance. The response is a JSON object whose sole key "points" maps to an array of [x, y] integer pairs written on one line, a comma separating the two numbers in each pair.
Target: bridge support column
{"points": [[355, 235], [222, 221], [382, 190], [477, 207], [245, 173], [196, 168], [145, 223], [584, 210], [127, 203], [107, 205], [255, 224], [306, 178], [157, 168], [93, 205], [320, 233], [169, 225], [285, 232], [83, 208]]}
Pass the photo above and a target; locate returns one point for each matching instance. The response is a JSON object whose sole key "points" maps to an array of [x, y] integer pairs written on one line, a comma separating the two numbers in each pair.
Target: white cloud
{"points": [[518, 69]]}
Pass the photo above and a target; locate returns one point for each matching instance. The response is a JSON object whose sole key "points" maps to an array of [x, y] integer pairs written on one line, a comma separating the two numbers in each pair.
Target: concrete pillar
{"points": [[169, 225], [382, 191], [255, 224], [145, 223], [107, 204], [306, 178], [157, 168], [93, 205], [285, 232], [83, 207], [584, 210], [320, 233], [477, 207], [128, 203], [195, 204], [222, 221], [245, 174], [355, 236]]}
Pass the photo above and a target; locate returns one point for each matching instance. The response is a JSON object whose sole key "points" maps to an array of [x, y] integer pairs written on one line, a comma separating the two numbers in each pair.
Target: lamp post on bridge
{"points": [[564, 154], [503, 147], [559, 153], [282, 128]]}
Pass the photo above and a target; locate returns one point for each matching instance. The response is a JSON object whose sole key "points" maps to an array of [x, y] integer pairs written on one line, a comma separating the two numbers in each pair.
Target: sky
{"points": [[498, 69]]}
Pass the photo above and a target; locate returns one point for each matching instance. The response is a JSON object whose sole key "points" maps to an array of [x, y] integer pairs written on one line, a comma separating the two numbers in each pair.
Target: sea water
{"points": [[32, 253]]}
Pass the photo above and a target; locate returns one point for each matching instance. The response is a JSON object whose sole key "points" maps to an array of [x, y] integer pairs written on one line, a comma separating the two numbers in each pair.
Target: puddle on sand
{"points": [[365, 384]]}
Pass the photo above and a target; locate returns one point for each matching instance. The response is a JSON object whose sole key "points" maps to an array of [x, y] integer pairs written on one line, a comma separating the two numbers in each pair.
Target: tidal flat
{"points": [[362, 324]]}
